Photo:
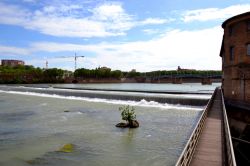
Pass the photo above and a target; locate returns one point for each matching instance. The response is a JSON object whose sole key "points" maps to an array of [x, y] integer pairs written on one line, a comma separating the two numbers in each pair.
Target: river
{"points": [[163, 87], [34, 126]]}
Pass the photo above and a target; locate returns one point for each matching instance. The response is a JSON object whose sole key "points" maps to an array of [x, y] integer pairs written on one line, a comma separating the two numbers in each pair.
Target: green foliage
{"points": [[53, 73], [29, 74], [128, 114], [101, 72], [116, 74]]}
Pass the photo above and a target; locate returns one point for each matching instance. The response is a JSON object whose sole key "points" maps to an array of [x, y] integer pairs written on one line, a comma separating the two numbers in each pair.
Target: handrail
{"points": [[188, 151], [240, 140], [229, 145]]}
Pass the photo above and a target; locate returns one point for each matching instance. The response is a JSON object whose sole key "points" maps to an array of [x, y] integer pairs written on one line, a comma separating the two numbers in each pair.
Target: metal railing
{"points": [[227, 135], [187, 153]]}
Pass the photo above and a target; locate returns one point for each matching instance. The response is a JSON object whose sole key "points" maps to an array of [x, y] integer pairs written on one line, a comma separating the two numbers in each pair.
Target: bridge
{"points": [[180, 78], [210, 143], [186, 76]]}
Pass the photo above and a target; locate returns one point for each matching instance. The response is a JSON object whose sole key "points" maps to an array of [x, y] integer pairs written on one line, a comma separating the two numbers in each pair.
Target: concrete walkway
{"points": [[209, 148]]}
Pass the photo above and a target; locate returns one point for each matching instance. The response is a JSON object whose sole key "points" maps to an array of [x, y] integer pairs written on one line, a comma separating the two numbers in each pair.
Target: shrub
{"points": [[128, 113]]}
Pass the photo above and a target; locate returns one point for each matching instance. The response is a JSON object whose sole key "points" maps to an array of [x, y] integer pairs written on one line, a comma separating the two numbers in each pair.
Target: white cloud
{"points": [[149, 21], [13, 15], [214, 13], [107, 19], [8, 50], [197, 49], [110, 12]]}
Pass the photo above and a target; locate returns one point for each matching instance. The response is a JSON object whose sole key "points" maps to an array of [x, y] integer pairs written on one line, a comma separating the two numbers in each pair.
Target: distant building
{"points": [[133, 70], [11, 63], [105, 68], [180, 69], [235, 53]]}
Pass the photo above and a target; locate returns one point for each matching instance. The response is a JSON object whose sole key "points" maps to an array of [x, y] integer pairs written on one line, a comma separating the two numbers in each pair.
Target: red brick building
{"points": [[235, 53], [11, 63]]}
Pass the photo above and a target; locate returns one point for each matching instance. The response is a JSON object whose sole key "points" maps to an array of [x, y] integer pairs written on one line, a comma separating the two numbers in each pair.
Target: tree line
{"points": [[100, 72], [30, 74]]}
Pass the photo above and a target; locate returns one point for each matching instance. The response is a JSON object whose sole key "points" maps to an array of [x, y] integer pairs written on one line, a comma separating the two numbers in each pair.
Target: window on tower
{"points": [[248, 25], [231, 53], [248, 49], [231, 30]]}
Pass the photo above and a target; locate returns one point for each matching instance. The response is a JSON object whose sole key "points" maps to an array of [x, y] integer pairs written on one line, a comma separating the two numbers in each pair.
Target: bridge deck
{"points": [[209, 150]]}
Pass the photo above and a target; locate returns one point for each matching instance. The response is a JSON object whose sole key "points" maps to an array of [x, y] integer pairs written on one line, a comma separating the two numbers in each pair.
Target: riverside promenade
{"points": [[210, 143], [209, 150]]}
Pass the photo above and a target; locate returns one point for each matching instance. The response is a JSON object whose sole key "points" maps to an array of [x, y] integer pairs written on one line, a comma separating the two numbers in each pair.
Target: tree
{"points": [[54, 73], [128, 114], [116, 74]]}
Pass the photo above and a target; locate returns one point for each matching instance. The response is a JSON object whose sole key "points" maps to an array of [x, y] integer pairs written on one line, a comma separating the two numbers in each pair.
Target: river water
{"points": [[33, 127], [163, 87]]}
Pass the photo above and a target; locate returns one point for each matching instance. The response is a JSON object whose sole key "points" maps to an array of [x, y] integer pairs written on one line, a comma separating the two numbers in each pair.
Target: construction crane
{"points": [[46, 64], [75, 57], [76, 60]]}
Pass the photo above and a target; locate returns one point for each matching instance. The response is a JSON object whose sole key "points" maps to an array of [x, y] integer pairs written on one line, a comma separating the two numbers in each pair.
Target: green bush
{"points": [[128, 114]]}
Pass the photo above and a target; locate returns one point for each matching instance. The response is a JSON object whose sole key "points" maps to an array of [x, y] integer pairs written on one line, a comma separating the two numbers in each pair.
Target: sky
{"points": [[145, 35]]}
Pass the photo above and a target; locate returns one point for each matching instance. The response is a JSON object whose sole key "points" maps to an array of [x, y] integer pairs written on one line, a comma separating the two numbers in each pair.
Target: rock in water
{"points": [[131, 124], [122, 125], [67, 148], [134, 124]]}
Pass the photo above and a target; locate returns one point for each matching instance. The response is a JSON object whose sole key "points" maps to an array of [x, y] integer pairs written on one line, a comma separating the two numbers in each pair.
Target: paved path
{"points": [[209, 148]]}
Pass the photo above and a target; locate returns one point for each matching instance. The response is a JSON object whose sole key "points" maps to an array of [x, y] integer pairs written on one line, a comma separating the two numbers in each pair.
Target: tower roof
{"points": [[234, 17]]}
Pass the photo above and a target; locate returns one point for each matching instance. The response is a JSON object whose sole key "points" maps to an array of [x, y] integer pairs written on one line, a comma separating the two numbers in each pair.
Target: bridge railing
{"points": [[227, 136], [187, 153]]}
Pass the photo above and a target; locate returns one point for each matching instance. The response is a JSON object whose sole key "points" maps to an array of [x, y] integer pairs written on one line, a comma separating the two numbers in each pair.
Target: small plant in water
{"points": [[128, 114]]}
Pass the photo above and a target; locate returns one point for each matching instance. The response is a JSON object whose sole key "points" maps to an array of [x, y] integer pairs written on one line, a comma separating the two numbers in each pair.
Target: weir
{"points": [[188, 99], [139, 91]]}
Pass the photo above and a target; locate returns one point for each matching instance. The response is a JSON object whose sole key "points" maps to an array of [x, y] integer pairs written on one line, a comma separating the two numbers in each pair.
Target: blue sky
{"points": [[131, 34]]}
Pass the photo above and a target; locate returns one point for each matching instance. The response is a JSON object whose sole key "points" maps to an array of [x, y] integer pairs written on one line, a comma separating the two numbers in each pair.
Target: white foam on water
{"points": [[142, 103], [79, 113], [192, 96], [188, 96]]}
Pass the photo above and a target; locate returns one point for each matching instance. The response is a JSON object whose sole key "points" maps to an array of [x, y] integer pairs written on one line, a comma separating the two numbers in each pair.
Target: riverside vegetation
{"points": [[128, 114], [30, 74]]}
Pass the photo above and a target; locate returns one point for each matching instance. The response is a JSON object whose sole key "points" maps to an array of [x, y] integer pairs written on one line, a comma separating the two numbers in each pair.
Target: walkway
{"points": [[209, 148]]}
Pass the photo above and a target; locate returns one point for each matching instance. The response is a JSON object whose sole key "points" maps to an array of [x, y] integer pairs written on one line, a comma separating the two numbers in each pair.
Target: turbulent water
{"points": [[33, 127]]}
